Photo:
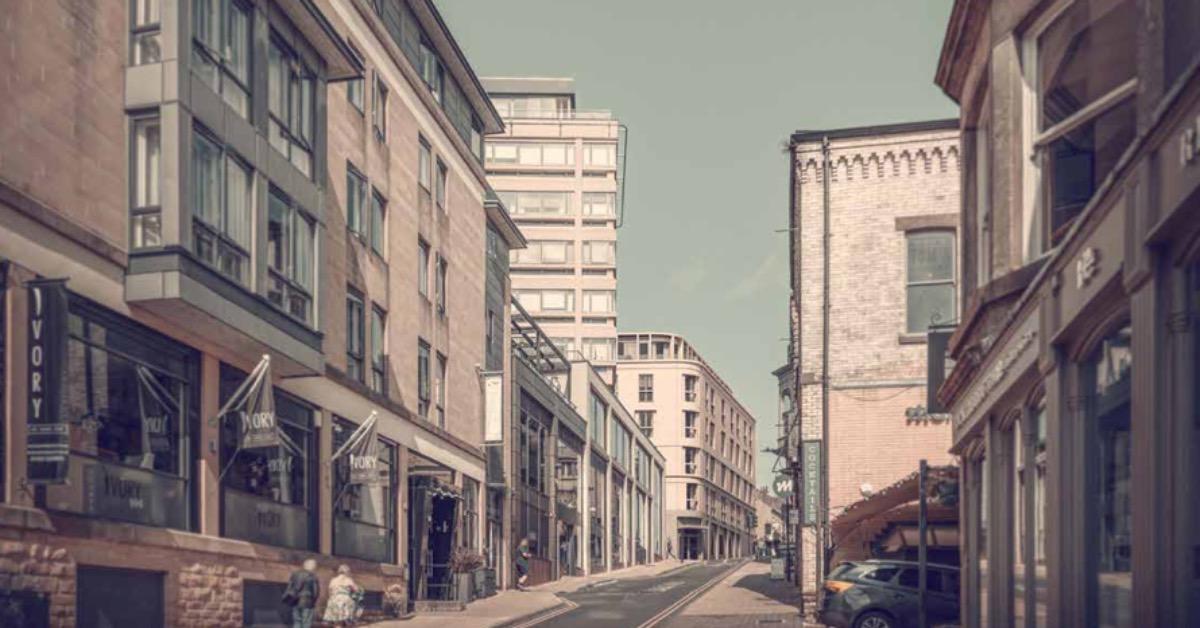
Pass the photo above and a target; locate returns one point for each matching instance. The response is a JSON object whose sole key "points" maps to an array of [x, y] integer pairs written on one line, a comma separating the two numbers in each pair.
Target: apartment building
{"points": [[1075, 360], [706, 436], [874, 229], [214, 182], [558, 170]]}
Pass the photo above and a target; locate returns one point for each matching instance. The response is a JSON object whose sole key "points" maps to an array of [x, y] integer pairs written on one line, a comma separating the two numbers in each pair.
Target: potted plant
{"points": [[463, 563]]}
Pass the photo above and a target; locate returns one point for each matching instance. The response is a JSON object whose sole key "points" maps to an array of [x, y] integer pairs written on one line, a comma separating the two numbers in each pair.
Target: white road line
{"points": [[567, 607], [687, 599]]}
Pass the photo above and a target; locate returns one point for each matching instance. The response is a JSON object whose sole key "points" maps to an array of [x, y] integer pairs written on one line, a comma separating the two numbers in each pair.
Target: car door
{"points": [[943, 598], [893, 595]]}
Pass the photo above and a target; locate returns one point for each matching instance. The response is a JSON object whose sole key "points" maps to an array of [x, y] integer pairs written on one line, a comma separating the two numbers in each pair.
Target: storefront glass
{"points": [[267, 492], [596, 503], [1108, 375], [1039, 516], [982, 547], [618, 496], [130, 399], [1017, 542], [364, 515]]}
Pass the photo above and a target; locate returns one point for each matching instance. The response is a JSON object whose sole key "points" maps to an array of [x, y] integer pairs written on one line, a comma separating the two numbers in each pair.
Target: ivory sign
{"points": [[47, 437]]}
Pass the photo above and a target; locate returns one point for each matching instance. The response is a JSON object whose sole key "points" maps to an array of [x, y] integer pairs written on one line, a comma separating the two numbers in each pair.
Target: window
{"points": [[1086, 105], [378, 213], [470, 513], [546, 300], [423, 375], [930, 297], [441, 185], [291, 255], [145, 38], [1039, 515], [355, 87], [378, 350], [645, 420], [599, 252], [599, 204], [646, 387], [559, 154], [689, 423], [599, 301], [546, 252], [535, 204], [690, 456], [222, 204], [1017, 541], [356, 198], [431, 71], [379, 109], [442, 270], [423, 254], [603, 155], [221, 50], [364, 515], [598, 349], [441, 390], [597, 417], [424, 159], [491, 332], [290, 102], [354, 335], [881, 574], [693, 497], [146, 213], [689, 387]]}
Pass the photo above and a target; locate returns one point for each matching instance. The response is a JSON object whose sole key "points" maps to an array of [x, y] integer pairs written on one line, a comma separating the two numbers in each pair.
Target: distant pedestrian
{"points": [[670, 550], [522, 563], [344, 597], [303, 590]]}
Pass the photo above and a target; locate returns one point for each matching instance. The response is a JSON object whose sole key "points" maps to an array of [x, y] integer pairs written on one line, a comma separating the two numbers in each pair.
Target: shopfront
{"points": [[597, 507], [434, 509], [567, 498], [364, 512]]}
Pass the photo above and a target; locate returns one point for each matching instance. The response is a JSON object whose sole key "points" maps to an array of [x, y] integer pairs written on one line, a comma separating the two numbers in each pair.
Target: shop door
{"points": [[420, 505], [118, 598], [440, 547]]}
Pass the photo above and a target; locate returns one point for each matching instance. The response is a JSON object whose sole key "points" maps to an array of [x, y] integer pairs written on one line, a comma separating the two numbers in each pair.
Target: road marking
{"points": [[687, 599], [566, 607]]}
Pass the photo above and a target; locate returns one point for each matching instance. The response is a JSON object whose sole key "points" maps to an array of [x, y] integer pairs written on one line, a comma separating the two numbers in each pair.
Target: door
{"points": [[117, 598]]}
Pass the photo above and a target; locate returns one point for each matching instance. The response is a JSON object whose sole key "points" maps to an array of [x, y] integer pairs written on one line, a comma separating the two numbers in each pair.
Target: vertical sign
{"points": [[47, 439], [811, 459], [493, 408]]}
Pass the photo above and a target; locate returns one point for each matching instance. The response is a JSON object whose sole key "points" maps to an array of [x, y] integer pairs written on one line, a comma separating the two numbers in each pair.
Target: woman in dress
{"points": [[344, 597]]}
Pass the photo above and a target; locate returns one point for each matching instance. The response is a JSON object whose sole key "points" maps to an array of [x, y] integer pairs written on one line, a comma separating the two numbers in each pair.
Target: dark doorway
{"points": [[116, 598]]}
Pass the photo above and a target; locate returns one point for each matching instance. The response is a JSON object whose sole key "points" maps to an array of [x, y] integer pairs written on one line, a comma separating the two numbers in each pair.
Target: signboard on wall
{"points": [[810, 456], [493, 408], [47, 438]]}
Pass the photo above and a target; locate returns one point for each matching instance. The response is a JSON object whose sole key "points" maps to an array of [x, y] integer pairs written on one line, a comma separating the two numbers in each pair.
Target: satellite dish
{"points": [[866, 489]]}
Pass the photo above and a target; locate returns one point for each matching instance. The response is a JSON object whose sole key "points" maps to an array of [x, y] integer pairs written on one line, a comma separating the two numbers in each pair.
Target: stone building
{"points": [[216, 181], [873, 252], [1076, 356], [706, 436]]}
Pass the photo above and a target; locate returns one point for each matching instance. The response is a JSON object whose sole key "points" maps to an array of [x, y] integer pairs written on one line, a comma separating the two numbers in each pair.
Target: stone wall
{"points": [[210, 596], [44, 569]]}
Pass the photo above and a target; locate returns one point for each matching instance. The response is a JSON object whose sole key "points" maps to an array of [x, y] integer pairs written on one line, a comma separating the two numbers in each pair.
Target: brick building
{"points": [[215, 181], [889, 261]]}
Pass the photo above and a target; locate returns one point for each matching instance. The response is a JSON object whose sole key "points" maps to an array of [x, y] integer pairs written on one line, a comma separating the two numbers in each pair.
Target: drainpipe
{"points": [[825, 307]]}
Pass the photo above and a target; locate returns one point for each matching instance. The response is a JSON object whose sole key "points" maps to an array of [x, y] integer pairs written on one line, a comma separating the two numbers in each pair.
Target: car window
{"points": [[912, 578], [840, 570], [881, 574]]}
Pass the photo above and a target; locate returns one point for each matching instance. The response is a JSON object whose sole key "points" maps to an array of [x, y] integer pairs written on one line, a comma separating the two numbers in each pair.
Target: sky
{"points": [[711, 91]]}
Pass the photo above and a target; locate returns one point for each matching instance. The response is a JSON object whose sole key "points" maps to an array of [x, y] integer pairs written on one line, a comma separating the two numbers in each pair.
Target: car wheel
{"points": [[874, 619]]}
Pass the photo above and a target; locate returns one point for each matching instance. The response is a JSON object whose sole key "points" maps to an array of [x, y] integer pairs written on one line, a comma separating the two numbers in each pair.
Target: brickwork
{"points": [[209, 595], [45, 569], [880, 185]]}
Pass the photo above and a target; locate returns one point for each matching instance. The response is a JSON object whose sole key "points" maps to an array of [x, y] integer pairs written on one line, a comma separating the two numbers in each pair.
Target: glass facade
{"points": [[364, 515]]}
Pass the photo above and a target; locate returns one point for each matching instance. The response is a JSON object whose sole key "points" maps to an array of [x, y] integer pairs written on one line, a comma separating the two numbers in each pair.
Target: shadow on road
{"points": [[767, 589]]}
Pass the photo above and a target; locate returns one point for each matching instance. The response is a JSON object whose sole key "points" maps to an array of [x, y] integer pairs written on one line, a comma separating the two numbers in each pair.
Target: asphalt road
{"points": [[630, 603]]}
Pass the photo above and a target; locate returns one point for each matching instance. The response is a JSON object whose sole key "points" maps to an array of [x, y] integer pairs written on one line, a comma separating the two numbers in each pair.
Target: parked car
{"points": [[884, 594]]}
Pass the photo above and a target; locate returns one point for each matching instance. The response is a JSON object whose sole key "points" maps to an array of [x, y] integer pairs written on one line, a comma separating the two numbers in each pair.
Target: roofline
{"points": [[781, 370], [498, 215], [897, 128], [957, 44], [462, 58]]}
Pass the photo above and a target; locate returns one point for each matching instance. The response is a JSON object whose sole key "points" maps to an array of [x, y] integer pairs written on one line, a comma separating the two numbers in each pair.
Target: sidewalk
{"points": [[508, 606], [746, 598]]}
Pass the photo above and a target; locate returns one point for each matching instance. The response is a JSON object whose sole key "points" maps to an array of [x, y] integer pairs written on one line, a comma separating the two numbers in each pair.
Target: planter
{"points": [[485, 582], [464, 584]]}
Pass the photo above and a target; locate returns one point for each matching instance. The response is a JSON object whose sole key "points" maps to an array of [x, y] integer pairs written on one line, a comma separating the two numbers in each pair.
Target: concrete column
{"points": [[209, 467]]}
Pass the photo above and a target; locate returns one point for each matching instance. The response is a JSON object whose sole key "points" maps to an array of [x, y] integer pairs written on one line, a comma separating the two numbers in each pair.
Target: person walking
{"points": [[303, 590], [344, 598], [670, 551], [522, 563]]}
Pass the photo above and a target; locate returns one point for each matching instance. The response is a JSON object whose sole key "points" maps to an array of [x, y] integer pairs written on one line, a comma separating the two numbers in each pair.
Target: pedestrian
{"points": [[303, 590], [344, 598], [670, 551], [522, 563]]}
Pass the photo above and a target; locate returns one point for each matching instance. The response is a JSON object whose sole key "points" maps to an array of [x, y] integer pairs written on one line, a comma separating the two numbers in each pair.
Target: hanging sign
{"points": [[47, 437], [362, 453], [253, 404], [811, 459]]}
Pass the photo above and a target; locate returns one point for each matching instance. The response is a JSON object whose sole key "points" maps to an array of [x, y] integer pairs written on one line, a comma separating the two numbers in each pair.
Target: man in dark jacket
{"points": [[302, 592]]}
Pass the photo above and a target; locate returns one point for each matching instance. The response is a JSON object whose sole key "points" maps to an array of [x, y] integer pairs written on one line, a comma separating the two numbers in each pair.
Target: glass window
{"points": [[364, 515], [130, 408], [441, 184], [931, 298], [599, 301], [1039, 517], [645, 420], [881, 574], [291, 254], [146, 36], [440, 284], [599, 349], [597, 419], [1109, 374], [222, 204], [424, 163], [599, 252], [423, 377], [378, 213], [1084, 64], [1017, 542], [689, 423], [441, 389], [378, 350], [355, 87], [689, 387], [290, 105], [599, 204], [354, 336], [356, 198], [604, 155], [379, 113], [423, 254], [221, 50], [537, 203], [646, 387], [146, 213]]}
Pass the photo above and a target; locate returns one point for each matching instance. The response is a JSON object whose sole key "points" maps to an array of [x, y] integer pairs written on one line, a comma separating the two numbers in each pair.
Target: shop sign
{"points": [[782, 486], [47, 436], [811, 457], [254, 402], [362, 452], [992, 378]]}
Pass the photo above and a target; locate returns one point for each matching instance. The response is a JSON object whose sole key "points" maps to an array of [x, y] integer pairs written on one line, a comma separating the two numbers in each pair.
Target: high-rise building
{"points": [[558, 170], [706, 437]]}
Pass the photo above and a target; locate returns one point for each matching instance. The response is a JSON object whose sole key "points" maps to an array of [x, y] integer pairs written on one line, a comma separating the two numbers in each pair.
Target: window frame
{"points": [[378, 346], [144, 29], [138, 213], [379, 108], [440, 374], [441, 183], [951, 277], [295, 72], [355, 335], [424, 256], [424, 164], [356, 201], [217, 58], [377, 216], [645, 387], [221, 238], [296, 216], [440, 283], [424, 377]]}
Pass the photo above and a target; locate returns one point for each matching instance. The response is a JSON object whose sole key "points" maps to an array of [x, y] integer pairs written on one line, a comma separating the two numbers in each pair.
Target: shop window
{"points": [[1108, 374], [930, 280], [267, 492], [119, 597], [596, 502], [364, 515], [1086, 86], [130, 400]]}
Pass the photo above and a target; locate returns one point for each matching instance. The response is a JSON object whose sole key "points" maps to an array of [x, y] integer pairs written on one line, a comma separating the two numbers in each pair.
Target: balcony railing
{"points": [[574, 114]]}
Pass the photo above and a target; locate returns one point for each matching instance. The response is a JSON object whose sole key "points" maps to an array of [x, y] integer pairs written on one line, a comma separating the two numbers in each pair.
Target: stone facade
{"points": [[884, 184]]}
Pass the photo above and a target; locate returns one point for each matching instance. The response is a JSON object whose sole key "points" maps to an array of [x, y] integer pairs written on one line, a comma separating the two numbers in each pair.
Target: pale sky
{"points": [[711, 90]]}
